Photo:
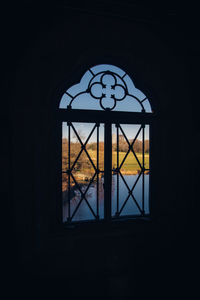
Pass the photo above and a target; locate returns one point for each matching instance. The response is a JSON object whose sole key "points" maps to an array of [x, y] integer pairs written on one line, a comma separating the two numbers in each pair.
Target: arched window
{"points": [[105, 147]]}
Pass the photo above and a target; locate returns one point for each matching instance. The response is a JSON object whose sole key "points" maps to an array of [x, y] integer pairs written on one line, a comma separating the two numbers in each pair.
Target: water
{"points": [[84, 213]]}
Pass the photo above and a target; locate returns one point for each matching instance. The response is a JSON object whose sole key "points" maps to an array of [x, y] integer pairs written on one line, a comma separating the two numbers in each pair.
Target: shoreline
{"points": [[83, 179]]}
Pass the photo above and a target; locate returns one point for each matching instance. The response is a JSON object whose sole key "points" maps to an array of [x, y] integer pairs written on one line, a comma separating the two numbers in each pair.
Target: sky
{"points": [[84, 130], [85, 101]]}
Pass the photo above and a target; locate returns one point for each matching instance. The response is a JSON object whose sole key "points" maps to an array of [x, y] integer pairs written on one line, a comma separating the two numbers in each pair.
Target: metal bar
{"points": [[143, 166], [87, 137], [76, 160], [130, 192], [124, 204], [130, 145], [69, 187], [117, 169], [91, 72], [150, 168], [144, 99], [68, 95], [81, 115], [97, 170], [107, 171], [138, 100], [123, 160], [77, 95], [83, 196], [83, 146], [59, 168], [136, 158]]}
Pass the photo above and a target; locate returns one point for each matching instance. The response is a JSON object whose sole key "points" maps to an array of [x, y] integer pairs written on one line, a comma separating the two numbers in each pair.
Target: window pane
{"points": [[82, 184], [105, 87], [130, 182]]}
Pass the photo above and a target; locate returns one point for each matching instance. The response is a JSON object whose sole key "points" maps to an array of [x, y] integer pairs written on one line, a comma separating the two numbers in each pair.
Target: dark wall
{"points": [[49, 48]]}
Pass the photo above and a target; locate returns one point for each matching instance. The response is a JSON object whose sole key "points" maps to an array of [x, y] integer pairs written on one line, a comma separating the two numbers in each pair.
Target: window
{"points": [[105, 147]]}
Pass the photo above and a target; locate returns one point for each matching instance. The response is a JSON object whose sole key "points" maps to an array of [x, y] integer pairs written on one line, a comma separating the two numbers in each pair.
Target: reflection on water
{"points": [[84, 212], [130, 207]]}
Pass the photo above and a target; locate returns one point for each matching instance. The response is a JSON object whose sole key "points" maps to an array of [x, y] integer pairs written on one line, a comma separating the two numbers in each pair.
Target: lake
{"points": [[84, 212]]}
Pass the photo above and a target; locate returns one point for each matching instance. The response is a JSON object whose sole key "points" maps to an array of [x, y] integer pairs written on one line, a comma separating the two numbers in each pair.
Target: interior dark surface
{"points": [[49, 48]]}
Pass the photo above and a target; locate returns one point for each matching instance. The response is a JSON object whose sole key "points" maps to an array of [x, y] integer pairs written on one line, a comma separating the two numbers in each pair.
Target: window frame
{"points": [[106, 117]]}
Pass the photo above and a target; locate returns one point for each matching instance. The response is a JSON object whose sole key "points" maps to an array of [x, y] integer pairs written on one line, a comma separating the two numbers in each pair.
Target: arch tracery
{"points": [[115, 155], [105, 87]]}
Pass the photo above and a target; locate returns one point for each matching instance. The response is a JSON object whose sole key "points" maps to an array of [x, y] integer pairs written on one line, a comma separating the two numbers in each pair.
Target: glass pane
{"points": [[147, 167], [129, 179], [105, 87], [146, 148], [82, 184]]}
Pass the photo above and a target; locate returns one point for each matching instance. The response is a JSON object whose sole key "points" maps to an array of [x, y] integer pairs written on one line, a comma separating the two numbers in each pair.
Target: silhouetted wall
{"points": [[51, 48]]}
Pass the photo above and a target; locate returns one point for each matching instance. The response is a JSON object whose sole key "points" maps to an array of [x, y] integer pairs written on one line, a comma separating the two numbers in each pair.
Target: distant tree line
{"points": [[137, 147], [83, 165], [123, 146], [83, 161]]}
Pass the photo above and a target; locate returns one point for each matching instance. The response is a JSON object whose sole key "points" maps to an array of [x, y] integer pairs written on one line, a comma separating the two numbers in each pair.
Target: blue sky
{"points": [[85, 101], [85, 128]]}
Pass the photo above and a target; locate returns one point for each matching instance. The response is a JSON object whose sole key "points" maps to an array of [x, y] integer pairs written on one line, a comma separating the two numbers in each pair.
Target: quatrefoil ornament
{"points": [[108, 91]]}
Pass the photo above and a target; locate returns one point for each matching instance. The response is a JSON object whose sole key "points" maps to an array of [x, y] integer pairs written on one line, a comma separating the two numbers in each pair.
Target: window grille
{"points": [[105, 147]]}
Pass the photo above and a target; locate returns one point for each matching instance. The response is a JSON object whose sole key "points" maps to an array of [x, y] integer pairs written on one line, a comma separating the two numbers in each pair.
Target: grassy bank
{"points": [[85, 173], [130, 165]]}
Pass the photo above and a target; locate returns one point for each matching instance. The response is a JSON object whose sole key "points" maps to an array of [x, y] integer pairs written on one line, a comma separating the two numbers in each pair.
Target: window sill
{"points": [[122, 226]]}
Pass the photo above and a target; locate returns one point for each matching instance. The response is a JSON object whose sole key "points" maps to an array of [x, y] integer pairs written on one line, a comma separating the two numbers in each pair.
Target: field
{"points": [[84, 171], [83, 165], [130, 165]]}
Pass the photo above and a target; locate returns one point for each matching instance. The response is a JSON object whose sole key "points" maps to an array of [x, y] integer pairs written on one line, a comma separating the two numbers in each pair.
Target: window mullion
{"points": [[143, 165], [107, 170], [69, 166]]}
